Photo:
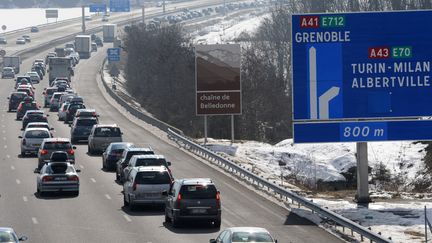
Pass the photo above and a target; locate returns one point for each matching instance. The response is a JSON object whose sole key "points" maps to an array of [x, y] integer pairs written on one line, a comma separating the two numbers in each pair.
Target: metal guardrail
{"points": [[284, 193]]}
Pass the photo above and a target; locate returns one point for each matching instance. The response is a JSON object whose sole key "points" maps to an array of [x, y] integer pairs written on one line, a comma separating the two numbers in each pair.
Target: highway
{"points": [[97, 214]]}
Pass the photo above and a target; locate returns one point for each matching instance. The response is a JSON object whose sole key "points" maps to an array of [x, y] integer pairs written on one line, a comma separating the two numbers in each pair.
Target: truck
{"points": [[60, 67], [83, 46], [109, 32], [60, 52], [13, 62]]}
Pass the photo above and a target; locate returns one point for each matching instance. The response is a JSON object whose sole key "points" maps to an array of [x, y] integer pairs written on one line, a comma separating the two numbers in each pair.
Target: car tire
{"points": [[23, 154], [76, 194], [125, 203], [117, 177], [89, 151], [175, 222], [167, 218], [131, 205], [103, 164]]}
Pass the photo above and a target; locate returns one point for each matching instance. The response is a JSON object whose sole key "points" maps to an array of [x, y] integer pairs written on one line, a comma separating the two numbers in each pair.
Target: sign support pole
{"points": [[164, 6], [232, 129], [143, 14], [205, 130], [83, 28], [362, 174]]}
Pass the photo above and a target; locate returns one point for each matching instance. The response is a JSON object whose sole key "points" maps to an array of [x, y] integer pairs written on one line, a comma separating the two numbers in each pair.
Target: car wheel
{"points": [[167, 218], [175, 222], [117, 177], [103, 164], [125, 203], [131, 205], [23, 154], [76, 194], [89, 151]]}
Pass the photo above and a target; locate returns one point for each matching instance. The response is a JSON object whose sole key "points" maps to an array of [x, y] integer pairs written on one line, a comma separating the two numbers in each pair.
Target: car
{"points": [[32, 139], [60, 82], [76, 57], [33, 116], [15, 99], [113, 153], [55, 100], [38, 125], [51, 145], [58, 177], [20, 41], [71, 110], [85, 112], [102, 135], [70, 45], [3, 40], [62, 111], [81, 127], [39, 70], [22, 79], [94, 46], [26, 89], [8, 72], [146, 185], [105, 18], [127, 154], [34, 77], [193, 199], [48, 92], [9, 235], [34, 29], [49, 55], [88, 17], [244, 234], [24, 106], [146, 160], [93, 37], [99, 42]]}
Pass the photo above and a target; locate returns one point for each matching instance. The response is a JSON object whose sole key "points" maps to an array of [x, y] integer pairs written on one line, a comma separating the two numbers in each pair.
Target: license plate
{"points": [[36, 145], [152, 195], [198, 210], [60, 178]]}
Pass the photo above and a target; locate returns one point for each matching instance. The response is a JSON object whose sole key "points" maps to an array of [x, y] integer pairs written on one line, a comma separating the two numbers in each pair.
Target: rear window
{"points": [[51, 91], [132, 153], [198, 191], [76, 106], [150, 162], [56, 96], [38, 125], [86, 122], [18, 96], [107, 132], [153, 177], [37, 134], [251, 237], [59, 168], [57, 145]]}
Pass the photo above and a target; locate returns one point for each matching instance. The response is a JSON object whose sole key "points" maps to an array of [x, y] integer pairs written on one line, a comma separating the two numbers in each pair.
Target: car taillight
{"points": [[44, 152], [71, 152], [23, 141], [20, 107], [179, 198], [73, 178], [218, 199], [47, 178], [134, 186]]}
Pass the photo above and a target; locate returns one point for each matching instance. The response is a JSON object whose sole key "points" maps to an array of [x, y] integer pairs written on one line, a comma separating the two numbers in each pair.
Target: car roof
{"points": [[38, 123], [56, 140], [60, 162], [120, 143], [106, 125], [160, 168], [196, 181], [139, 149], [52, 88], [19, 92], [248, 229], [86, 110], [6, 229], [149, 156], [36, 129], [35, 111]]}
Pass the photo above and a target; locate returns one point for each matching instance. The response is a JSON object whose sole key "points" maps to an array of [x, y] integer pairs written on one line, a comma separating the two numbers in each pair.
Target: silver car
{"points": [[62, 111], [58, 177], [145, 185], [145, 160], [51, 145], [101, 136], [34, 77], [244, 234], [55, 100], [32, 138], [9, 235]]}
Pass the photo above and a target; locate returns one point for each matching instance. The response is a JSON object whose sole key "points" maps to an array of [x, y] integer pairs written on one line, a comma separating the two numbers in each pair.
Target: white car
{"points": [[20, 41], [105, 18], [38, 124], [62, 111], [34, 77], [32, 139], [244, 234], [88, 17]]}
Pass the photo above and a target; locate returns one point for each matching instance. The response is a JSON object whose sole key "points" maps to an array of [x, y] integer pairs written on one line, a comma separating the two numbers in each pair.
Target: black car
{"points": [[70, 112], [126, 156], [33, 117], [15, 99], [113, 153], [193, 199], [81, 127], [34, 29]]}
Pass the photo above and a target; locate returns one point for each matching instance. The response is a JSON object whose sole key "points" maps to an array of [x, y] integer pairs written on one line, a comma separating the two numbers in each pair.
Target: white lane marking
{"points": [[25, 199], [93, 180], [4, 138], [35, 221], [81, 166], [3, 131], [8, 156], [5, 147], [12, 167], [127, 218], [18, 181], [3, 126], [108, 196]]}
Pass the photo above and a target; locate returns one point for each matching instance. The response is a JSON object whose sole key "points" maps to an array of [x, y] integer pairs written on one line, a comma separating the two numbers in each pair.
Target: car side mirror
{"points": [[52, 129], [20, 137], [37, 171], [78, 171], [168, 163], [23, 238], [73, 147], [47, 114], [70, 125], [212, 241]]}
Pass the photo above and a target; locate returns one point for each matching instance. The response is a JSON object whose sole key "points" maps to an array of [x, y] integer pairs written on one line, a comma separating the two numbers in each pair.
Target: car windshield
{"points": [[153, 177], [150, 162], [7, 237], [86, 122], [132, 153], [59, 168], [251, 237], [57, 145], [18, 96], [198, 192], [51, 91], [37, 134], [107, 132]]}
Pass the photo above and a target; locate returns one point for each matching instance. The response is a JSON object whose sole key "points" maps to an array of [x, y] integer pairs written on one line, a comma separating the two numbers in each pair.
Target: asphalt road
{"points": [[97, 214]]}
